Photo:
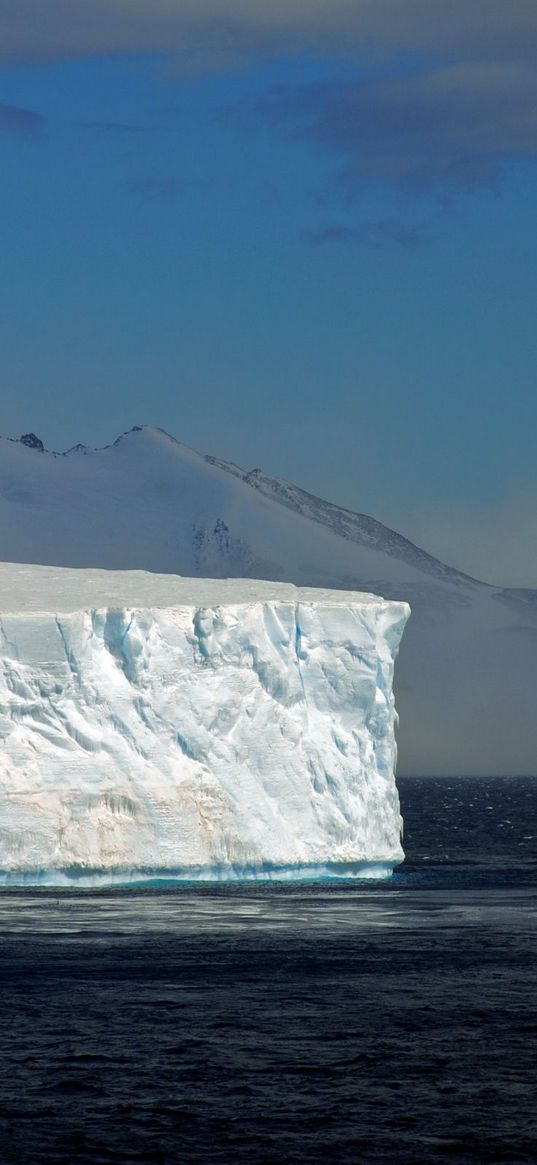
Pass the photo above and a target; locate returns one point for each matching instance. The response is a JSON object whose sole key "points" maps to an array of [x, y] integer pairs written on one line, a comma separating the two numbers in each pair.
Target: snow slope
{"points": [[467, 672], [211, 727]]}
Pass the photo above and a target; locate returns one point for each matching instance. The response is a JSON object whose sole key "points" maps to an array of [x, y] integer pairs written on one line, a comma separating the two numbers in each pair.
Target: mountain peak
{"points": [[32, 442]]}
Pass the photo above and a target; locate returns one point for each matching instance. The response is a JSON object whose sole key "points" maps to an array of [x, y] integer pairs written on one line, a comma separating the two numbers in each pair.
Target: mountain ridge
{"points": [[286, 493]]}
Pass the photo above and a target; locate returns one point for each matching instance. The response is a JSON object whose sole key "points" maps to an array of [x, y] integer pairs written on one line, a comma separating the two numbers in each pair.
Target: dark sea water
{"points": [[332, 1023]]}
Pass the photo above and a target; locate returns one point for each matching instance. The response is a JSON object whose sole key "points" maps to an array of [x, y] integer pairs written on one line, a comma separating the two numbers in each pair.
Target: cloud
{"points": [[23, 122], [205, 31], [454, 126], [373, 234], [447, 95]]}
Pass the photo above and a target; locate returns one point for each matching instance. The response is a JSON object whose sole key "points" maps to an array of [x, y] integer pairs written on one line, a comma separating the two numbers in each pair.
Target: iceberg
{"points": [[157, 726]]}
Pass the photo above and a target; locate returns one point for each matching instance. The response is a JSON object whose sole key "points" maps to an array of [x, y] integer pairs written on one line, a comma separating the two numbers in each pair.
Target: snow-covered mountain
{"points": [[466, 676]]}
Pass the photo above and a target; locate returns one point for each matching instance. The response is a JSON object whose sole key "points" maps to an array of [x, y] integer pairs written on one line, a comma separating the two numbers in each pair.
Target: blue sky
{"points": [[295, 241]]}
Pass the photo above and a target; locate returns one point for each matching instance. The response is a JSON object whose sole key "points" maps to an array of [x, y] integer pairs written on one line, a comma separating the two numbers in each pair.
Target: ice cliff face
{"points": [[155, 723]]}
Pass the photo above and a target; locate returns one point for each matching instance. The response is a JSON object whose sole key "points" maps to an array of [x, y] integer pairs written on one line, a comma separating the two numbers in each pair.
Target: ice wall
{"points": [[200, 728]]}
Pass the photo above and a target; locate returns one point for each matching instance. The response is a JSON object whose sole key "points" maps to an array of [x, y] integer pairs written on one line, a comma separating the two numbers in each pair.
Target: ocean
{"points": [[348, 1023]]}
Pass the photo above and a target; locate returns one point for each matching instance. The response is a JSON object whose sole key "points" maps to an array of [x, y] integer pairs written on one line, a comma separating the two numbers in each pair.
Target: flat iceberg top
{"points": [[28, 589]]}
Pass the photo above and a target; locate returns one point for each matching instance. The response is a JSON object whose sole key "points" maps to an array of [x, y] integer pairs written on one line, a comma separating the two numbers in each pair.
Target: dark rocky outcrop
{"points": [[32, 442]]}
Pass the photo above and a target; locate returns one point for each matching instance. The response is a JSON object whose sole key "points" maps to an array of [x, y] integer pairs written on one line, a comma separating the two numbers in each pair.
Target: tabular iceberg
{"points": [[152, 724]]}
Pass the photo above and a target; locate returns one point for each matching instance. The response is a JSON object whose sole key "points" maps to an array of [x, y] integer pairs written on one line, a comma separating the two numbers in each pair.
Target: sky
{"points": [[299, 236]]}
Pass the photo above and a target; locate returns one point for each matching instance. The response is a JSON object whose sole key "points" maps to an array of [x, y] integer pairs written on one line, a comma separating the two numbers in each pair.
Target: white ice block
{"points": [[151, 724]]}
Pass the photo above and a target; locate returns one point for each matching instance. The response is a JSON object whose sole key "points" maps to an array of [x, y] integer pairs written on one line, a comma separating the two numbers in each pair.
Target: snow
{"points": [[467, 672], [153, 724]]}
